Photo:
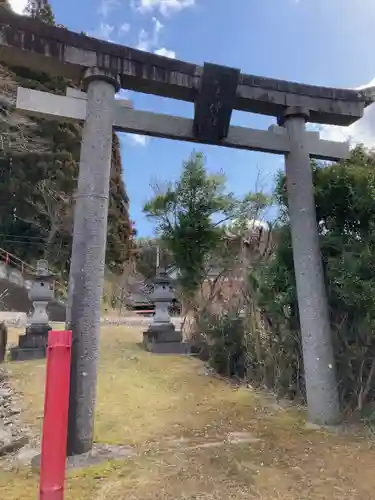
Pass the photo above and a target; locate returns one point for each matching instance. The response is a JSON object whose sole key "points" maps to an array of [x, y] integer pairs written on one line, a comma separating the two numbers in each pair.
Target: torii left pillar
{"points": [[88, 254]]}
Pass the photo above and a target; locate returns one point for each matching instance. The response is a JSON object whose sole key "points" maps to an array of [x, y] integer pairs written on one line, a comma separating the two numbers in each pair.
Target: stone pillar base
{"points": [[33, 345], [18, 354], [168, 348], [162, 332], [163, 338]]}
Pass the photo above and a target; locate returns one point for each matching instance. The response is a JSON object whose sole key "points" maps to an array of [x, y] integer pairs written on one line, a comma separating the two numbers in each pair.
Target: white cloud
{"points": [[362, 131], [18, 5], [146, 41], [104, 31], [106, 6], [158, 26], [124, 28], [165, 7], [138, 140], [166, 53]]}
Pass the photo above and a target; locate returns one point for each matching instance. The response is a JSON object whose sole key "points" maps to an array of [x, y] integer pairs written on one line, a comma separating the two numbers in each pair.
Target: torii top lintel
{"points": [[58, 51]]}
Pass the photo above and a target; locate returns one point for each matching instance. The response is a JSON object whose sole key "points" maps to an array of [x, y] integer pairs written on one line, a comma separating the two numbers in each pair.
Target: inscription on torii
{"points": [[215, 102]]}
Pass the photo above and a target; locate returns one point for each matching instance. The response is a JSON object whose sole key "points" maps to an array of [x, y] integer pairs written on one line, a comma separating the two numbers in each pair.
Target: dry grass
{"points": [[146, 400]]}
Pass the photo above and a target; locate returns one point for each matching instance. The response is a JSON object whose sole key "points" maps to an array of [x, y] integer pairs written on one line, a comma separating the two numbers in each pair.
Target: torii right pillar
{"points": [[318, 357]]}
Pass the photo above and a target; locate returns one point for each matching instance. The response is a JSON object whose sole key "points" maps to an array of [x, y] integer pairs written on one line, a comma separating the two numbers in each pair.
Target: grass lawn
{"points": [[148, 401]]}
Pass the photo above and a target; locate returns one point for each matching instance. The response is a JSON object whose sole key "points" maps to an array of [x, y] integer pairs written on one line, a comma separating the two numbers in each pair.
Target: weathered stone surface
{"points": [[13, 435], [3, 341], [215, 102], [100, 453], [5, 435], [58, 51], [161, 334], [33, 345], [168, 348], [27, 354], [13, 446], [26, 455], [275, 140], [32, 340]]}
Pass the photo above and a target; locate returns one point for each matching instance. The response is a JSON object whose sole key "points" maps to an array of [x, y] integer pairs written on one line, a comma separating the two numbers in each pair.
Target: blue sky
{"points": [[324, 42]]}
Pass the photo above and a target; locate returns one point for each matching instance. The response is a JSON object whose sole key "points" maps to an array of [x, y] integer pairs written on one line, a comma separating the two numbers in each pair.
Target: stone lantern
{"points": [[162, 336], [33, 344], [162, 296]]}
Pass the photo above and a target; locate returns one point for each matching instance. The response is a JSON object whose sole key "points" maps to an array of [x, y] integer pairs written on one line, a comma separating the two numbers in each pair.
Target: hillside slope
{"points": [[38, 176]]}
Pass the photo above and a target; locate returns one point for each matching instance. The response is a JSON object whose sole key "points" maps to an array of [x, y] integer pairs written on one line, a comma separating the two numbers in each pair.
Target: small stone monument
{"points": [[162, 336], [33, 344]]}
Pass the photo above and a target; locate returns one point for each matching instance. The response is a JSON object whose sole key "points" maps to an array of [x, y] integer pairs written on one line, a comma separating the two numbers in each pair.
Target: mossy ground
{"points": [[146, 401]]}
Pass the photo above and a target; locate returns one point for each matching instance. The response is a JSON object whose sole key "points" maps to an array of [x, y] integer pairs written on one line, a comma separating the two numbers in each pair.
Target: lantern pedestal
{"points": [[32, 345]]}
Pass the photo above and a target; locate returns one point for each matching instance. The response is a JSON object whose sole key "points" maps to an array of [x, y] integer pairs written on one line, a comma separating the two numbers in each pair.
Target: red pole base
{"points": [[55, 424]]}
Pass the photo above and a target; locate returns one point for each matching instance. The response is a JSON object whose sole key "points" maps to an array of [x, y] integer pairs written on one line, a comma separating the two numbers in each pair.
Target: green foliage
{"points": [[185, 213], [24, 230], [191, 216], [41, 10], [345, 205], [119, 236], [146, 260], [267, 348], [224, 336], [46, 15]]}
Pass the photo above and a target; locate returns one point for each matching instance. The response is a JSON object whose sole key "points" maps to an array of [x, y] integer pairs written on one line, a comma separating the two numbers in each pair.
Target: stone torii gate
{"points": [[103, 68]]}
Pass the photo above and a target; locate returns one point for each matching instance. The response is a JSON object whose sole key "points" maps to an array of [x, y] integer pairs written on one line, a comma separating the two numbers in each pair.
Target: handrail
{"points": [[19, 263], [14, 261]]}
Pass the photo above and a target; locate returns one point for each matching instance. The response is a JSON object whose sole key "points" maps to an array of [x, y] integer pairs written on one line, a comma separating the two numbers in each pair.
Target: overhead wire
{"points": [[21, 237], [20, 242]]}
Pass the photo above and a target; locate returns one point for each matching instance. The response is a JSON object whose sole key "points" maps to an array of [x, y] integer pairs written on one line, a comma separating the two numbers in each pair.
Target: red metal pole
{"points": [[55, 424]]}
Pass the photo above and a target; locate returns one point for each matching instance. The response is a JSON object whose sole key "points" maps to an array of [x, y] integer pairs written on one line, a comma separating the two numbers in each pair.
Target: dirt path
{"points": [[193, 436]]}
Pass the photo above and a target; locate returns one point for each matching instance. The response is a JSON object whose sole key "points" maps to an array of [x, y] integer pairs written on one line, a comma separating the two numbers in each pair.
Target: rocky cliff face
{"points": [[18, 133], [38, 176]]}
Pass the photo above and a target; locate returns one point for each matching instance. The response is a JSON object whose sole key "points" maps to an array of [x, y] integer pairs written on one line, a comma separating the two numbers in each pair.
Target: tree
{"points": [[41, 10], [29, 181], [146, 250], [53, 216], [229, 295], [184, 213], [190, 216], [120, 247], [50, 156]]}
